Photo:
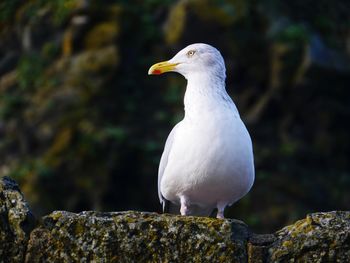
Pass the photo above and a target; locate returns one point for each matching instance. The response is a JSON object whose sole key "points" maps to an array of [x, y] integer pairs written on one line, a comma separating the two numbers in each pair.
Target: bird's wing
{"points": [[169, 207], [163, 164]]}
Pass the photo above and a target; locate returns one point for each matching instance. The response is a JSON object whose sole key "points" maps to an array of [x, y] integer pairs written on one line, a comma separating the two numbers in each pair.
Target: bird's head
{"points": [[193, 59]]}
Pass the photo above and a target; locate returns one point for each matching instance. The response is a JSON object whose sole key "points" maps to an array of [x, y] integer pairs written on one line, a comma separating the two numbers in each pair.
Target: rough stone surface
{"points": [[16, 222], [257, 247], [136, 237], [149, 237], [321, 237]]}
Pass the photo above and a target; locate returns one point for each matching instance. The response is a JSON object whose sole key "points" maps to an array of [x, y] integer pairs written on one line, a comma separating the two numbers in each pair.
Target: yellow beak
{"points": [[162, 67]]}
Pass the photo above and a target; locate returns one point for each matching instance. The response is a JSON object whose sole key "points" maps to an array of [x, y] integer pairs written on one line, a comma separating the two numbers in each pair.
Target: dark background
{"points": [[82, 125]]}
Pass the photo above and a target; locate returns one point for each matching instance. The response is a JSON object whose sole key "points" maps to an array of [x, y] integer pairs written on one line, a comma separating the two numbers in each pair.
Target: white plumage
{"points": [[207, 161]]}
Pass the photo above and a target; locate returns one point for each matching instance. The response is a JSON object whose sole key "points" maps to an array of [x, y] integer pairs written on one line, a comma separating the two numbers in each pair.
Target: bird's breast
{"points": [[210, 158]]}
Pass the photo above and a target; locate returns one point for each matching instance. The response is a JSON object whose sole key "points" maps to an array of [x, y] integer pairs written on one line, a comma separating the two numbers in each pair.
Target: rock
{"points": [[136, 237], [258, 246], [149, 237], [321, 237], [16, 222]]}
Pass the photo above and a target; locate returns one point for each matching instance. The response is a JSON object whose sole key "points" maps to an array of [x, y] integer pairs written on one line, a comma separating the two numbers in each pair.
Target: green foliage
{"points": [[7, 9], [293, 34], [59, 9], [30, 69], [9, 104]]}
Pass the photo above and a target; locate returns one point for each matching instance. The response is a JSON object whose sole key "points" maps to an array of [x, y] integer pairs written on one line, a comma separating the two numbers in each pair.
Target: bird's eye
{"points": [[190, 53]]}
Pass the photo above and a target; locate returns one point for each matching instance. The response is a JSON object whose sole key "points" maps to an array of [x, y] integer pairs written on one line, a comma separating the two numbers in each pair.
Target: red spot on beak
{"points": [[156, 72]]}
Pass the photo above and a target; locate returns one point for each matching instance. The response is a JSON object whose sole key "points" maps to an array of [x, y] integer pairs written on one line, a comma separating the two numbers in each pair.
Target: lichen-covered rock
{"points": [[258, 246], [136, 237], [321, 237], [149, 237], [16, 222]]}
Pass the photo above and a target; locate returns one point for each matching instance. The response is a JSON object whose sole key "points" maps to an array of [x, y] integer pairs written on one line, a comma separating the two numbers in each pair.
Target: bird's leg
{"points": [[221, 209], [184, 205]]}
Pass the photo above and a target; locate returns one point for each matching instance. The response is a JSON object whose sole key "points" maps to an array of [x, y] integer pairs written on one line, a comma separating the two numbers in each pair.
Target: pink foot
{"points": [[184, 206], [221, 209]]}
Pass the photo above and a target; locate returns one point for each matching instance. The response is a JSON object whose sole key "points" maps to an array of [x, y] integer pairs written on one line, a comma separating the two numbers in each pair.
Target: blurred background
{"points": [[82, 125]]}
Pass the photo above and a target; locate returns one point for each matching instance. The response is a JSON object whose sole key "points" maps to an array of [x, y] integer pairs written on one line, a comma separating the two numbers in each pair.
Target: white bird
{"points": [[207, 161]]}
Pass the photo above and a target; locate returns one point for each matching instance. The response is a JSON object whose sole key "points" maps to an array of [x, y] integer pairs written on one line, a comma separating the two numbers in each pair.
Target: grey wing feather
{"points": [[164, 162]]}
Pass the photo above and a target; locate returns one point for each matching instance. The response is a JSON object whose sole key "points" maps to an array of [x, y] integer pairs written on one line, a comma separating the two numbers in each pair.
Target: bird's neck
{"points": [[206, 94]]}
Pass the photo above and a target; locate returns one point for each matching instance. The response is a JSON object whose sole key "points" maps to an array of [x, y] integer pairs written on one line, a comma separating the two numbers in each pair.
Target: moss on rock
{"points": [[136, 237], [16, 222], [150, 237], [321, 237]]}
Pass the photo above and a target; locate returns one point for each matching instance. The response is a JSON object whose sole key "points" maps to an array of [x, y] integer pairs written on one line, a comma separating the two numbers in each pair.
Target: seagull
{"points": [[207, 162]]}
